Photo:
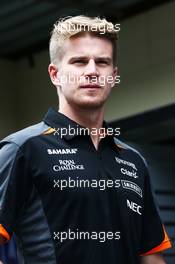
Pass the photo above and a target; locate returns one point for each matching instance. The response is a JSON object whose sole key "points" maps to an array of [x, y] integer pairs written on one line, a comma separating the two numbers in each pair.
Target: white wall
{"points": [[146, 66]]}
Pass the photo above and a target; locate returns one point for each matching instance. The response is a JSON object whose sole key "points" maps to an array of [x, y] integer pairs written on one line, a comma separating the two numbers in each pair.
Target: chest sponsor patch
{"points": [[67, 165], [129, 173], [132, 186], [127, 163], [62, 151], [134, 207]]}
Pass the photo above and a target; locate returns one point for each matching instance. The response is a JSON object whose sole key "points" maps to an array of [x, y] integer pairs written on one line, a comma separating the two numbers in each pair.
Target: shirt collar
{"points": [[67, 127]]}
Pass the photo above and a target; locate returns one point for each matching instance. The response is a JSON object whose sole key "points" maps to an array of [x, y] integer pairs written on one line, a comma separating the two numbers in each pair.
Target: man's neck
{"points": [[87, 118]]}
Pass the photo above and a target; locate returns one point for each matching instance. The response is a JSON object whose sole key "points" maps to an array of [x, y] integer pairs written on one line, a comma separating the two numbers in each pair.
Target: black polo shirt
{"points": [[70, 203]]}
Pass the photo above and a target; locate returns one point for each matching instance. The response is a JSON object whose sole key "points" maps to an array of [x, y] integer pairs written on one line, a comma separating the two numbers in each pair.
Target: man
{"points": [[70, 190]]}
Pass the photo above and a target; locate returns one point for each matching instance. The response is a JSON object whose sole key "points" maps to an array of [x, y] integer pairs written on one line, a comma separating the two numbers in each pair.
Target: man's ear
{"points": [[53, 73], [114, 75]]}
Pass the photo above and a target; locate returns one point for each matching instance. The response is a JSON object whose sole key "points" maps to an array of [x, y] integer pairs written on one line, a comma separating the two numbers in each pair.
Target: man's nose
{"points": [[91, 69]]}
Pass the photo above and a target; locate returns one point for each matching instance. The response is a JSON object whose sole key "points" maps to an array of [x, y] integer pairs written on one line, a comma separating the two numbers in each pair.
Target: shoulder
{"points": [[20, 137], [131, 151], [11, 146]]}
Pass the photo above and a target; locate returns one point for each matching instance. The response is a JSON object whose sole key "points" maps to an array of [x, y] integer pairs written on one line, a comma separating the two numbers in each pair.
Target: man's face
{"points": [[85, 74]]}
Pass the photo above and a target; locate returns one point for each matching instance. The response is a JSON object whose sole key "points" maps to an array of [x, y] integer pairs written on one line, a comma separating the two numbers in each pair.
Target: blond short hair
{"points": [[67, 27]]}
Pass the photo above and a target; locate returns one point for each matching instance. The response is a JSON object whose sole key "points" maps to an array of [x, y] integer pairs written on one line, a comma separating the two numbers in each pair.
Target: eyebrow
{"points": [[107, 59]]}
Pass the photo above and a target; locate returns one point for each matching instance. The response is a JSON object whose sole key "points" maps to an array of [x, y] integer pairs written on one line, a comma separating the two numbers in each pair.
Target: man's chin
{"points": [[90, 104]]}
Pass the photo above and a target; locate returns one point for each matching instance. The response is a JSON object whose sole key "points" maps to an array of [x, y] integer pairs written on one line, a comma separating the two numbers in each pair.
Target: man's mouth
{"points": [[90, 85]]}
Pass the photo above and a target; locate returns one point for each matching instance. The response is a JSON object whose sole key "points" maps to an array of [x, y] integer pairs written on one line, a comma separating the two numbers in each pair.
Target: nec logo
{"points": [[134, 207]]}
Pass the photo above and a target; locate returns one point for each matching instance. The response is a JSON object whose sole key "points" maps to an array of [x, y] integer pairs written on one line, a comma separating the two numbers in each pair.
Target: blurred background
{"points": [[143, 104]]}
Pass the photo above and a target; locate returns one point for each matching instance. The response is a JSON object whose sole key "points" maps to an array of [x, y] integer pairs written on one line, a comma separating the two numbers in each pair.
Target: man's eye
{"points": [[102, 62], [80, 62]]}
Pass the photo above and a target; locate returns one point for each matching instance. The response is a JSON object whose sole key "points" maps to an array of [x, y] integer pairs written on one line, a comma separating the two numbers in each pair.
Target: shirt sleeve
{"points": [[154, 237], [14, 187]]}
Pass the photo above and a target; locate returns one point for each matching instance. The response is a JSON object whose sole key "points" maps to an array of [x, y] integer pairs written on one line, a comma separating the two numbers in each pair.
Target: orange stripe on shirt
{"points": [[163, 246], [120, 146], [4, 234], [49, 131]]}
